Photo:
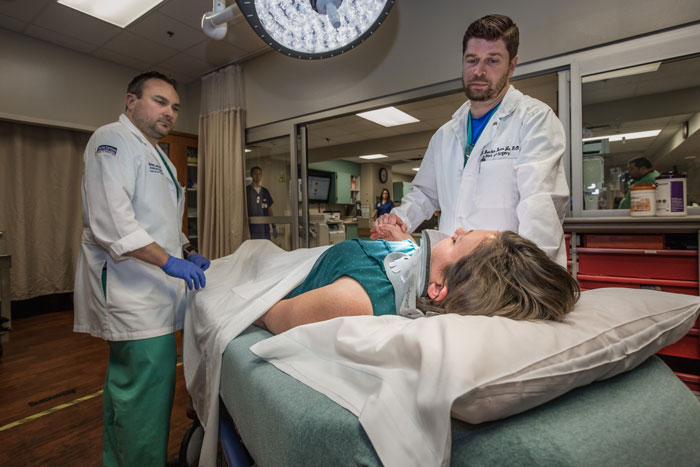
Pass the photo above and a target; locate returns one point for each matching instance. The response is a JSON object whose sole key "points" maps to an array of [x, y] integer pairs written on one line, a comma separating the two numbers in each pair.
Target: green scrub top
{"points": [[648, 178], [363, 261]]}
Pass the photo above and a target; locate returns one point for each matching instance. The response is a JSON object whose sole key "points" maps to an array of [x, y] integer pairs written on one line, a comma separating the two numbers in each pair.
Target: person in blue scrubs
{"points": [[259, 204], [384, 205]]}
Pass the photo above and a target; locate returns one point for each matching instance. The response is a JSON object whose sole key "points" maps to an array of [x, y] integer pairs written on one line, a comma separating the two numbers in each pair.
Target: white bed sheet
{"points": [[405, 378], [240, 288]]}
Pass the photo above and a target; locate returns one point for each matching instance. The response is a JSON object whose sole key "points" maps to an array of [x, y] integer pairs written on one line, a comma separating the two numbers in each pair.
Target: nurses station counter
{"points": [[658, 253]]}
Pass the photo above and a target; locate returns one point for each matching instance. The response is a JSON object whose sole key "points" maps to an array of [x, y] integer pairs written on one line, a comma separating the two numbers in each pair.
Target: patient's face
{"points": [[450, 250]]}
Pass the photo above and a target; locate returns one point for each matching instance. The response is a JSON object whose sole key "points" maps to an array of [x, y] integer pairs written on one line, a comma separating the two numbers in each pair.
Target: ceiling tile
{"points": [[120, 59], [25, 10], [189, 12], [188, 67], [216, 53], [73, 23], [241, 35], [12, 24], [60, 39], [137, 47], [155, 26]]}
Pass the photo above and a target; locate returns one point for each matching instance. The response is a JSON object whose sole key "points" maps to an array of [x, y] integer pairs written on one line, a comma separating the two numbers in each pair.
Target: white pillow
{"points": [[403, 378]]}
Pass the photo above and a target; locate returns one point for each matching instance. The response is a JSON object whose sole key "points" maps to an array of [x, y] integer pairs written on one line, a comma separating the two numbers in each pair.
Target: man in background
{"points": [[259, 204], [641, 170]]}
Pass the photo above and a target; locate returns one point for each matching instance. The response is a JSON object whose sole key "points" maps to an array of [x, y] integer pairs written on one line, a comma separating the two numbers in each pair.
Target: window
{"points": [[650, 110]]}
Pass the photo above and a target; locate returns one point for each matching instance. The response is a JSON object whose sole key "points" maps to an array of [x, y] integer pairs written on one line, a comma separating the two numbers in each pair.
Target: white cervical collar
{"points": [[410, 275]]}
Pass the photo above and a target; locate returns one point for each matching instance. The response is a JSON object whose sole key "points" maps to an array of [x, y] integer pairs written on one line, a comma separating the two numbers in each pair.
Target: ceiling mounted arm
{"points": [[214, 23]]}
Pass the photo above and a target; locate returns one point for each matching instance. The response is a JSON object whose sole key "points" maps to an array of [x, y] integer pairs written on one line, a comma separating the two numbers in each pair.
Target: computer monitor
{"points": [[319, 187]]}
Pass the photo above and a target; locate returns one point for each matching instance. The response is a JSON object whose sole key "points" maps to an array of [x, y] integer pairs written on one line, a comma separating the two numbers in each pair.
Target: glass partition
{"points": [[649, 113]]}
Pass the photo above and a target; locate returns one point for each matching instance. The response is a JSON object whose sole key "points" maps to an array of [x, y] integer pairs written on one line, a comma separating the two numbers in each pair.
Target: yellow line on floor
{"points": [[54, 409], [50, 411]]}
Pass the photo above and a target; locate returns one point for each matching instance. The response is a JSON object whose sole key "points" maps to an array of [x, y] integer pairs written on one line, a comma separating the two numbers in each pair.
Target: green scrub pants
{"points": [[137, 401]]}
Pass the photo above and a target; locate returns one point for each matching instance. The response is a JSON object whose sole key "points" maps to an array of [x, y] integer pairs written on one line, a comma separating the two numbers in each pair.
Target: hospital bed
{"points": [[643, 417], [618, 405]]}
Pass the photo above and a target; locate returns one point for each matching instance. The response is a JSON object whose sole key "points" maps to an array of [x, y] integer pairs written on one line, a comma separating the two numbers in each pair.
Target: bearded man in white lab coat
{"points": [[129, 287], [497, 164]]}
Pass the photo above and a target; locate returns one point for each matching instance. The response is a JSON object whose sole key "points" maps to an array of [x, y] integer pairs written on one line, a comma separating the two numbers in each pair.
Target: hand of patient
{"points": [[189, 272], [390, 232], [379, 228]]}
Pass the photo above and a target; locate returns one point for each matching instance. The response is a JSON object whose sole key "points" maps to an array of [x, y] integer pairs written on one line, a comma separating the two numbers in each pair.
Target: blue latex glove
{"points": [[192, 274], [274, 231], [199, 260]]}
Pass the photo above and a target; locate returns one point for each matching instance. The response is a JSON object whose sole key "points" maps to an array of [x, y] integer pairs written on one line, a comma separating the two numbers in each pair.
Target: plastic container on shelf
{"points": [[643, 200], [671, 193]]}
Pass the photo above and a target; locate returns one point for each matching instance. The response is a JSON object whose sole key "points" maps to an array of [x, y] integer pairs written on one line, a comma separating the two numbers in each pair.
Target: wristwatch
{"points": [[187, 250]]}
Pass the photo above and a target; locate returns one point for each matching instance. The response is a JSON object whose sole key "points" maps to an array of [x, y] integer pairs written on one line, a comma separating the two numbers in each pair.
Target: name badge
{"points": [[500, 153]]}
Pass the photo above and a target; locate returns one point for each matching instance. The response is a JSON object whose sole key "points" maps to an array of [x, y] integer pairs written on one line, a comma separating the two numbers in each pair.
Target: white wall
{"points": [[420, 44], [46, 84]]}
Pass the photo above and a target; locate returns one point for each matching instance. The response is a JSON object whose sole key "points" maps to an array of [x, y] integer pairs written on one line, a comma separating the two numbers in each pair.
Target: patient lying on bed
{"points": [[478, 272]]}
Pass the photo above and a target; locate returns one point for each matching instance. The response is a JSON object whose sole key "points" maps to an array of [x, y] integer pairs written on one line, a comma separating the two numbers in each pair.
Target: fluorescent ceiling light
{"points": [[416, 169], [374, 156], [118, 12], [248, 150], [388, 116], [633, 70], [637, 135]]}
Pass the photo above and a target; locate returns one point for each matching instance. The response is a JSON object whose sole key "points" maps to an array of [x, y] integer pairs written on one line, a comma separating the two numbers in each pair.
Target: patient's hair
{"points": [[507, 276]]}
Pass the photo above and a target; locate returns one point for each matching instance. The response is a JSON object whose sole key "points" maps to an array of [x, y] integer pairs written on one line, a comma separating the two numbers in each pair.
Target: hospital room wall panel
{"points": [[420, 45], [46, 84]]}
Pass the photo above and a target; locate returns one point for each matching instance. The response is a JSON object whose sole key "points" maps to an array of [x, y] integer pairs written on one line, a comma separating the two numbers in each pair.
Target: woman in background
{"points": [[384, 205]]}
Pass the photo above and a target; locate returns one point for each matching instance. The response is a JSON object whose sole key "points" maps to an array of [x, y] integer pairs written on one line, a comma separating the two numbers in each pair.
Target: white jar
{"points": [[643, 200]]}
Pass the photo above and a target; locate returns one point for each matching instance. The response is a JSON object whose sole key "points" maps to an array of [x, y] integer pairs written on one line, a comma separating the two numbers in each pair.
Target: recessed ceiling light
{"points": [[625, 136], [120, 13], [633, 70], [373, 156], [388, 116]]}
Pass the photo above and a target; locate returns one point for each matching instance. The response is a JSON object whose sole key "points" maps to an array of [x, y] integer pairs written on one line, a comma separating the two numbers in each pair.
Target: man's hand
{"points": [[189, 272], [384, 220], [199, 260], [390, 232]]}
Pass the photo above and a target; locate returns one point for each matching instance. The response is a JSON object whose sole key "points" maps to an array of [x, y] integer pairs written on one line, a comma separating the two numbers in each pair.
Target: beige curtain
{"points": [[222, 218], [40, 206]]}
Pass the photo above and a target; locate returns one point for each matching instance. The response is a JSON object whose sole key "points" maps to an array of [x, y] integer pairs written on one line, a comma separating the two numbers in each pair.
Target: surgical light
{"points": [[120, 13], [305, 29], [388, 116]]}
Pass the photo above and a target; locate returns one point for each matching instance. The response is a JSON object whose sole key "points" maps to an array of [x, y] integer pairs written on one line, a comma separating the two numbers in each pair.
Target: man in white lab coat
{"points": [[129, 287], [498, 163]]}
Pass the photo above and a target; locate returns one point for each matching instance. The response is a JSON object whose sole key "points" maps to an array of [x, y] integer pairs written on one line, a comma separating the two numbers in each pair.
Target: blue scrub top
{"points": [[384, 208], [259, 205]]}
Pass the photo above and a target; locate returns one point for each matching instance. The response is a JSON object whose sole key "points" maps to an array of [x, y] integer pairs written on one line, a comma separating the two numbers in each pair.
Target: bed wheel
{"points": [[191, 446]]}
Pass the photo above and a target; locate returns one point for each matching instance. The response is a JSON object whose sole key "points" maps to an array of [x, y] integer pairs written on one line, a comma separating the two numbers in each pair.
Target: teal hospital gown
{"points": [[363, 261]]}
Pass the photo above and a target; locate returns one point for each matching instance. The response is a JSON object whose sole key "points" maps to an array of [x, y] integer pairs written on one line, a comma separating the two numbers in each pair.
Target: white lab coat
{"points": [[514, 179], [129, 201]]}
